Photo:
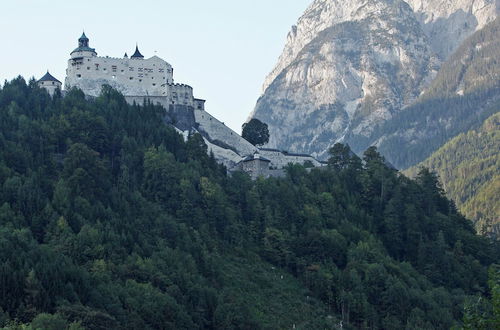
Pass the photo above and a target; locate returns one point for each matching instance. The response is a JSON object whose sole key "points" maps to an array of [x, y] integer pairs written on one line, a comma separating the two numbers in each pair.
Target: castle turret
{"points": [[49, 83], [137, 54], [83, 49]]}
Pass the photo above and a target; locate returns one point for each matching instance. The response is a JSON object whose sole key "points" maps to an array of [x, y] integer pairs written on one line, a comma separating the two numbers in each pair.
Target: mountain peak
{"points": [[349, 66]]}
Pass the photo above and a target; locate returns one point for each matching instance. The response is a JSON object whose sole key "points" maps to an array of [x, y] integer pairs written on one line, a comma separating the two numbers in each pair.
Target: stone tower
{"points": [[49, 83]]}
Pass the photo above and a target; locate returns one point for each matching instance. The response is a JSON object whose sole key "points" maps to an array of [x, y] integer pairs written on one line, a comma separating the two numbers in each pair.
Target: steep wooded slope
{"points": [[469, 168]]}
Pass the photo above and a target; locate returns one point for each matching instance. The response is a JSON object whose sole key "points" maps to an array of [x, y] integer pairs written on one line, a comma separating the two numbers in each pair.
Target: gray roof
{"points": [[137, 53], [83, 37], [49, 77], [250, 158], [83, 49]]}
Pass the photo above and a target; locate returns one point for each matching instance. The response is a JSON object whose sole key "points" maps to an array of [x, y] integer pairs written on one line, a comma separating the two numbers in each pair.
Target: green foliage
{"points": [[109, 220], [468, 167], [255, 132]]}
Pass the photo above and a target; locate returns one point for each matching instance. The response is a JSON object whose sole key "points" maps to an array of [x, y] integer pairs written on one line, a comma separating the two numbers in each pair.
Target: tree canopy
{"points": [[255, 132], [110, 220]]}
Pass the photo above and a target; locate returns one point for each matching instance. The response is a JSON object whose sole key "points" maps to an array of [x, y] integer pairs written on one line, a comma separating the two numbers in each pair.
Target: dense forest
{"points": [[110, 220], [465, 92], [468, 167]]}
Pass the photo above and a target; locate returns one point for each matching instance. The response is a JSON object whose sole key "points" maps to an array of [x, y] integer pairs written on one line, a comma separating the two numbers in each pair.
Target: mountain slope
{"points": [[348, 67], [356, 72], [468, 166], [465, 92]]}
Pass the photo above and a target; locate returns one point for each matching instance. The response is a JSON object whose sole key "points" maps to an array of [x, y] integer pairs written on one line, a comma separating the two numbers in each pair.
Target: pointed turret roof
{"points": [[49, 77], [83, 37], [137, 53], [83, 45]]}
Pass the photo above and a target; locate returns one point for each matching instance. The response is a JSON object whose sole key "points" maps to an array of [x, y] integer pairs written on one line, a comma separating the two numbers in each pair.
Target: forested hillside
{"points": [[109, 220], [468, 167], [465, 92]]}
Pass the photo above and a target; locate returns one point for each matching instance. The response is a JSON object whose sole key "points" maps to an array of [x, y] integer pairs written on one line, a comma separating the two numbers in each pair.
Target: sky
{"points": [[222, 48]]}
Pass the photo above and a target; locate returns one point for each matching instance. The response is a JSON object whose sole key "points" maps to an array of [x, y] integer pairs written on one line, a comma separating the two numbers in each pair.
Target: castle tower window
{"points": [[79, 75], [113, 68], [97, 67], [139, 70], [131, 78], [88, 68], [153, 84], [131, 69], [140, 80]]}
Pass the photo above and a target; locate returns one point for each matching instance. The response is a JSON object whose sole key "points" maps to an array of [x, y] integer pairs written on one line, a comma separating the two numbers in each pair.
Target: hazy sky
{"points": [[223, 48]]}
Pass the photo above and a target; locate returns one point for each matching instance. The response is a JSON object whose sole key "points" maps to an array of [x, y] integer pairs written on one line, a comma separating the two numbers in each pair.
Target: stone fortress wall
{"points": [[217, 131], [130, 76], [281, 158]]}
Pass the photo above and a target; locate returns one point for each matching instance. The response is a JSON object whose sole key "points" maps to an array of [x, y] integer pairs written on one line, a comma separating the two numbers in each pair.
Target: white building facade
{"points": [[133, 76]]}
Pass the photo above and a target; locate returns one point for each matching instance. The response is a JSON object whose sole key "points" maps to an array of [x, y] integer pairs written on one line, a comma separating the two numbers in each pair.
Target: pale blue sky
{"points": [[223, 48]]}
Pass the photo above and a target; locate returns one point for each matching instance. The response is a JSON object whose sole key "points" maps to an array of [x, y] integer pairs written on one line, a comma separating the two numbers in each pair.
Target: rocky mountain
{"points": [[465, 92], [468, 168], [348, 67]]}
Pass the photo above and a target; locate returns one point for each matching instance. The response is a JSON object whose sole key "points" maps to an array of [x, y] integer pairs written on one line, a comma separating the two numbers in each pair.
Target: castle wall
{"points": [[180, 94], [255, 168], [217, 131], [280, 159], [129, 76], [50, 86]]}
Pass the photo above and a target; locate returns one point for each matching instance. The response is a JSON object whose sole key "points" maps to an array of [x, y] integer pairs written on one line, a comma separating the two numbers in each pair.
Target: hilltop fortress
{"points": [[141, 80]]}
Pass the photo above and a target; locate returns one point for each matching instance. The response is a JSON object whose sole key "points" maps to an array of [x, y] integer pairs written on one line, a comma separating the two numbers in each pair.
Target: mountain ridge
{"points": [[328, 86]]}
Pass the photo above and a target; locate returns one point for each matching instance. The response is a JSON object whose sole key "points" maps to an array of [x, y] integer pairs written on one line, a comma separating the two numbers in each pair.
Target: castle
{"points": [[152, 79]]}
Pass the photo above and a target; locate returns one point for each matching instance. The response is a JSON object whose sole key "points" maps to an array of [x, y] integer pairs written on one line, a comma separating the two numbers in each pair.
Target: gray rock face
{"points": [[348, 66]]}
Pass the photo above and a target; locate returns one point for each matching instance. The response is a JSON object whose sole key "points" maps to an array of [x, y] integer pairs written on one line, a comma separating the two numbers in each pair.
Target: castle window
{"points": [[130, 69], [131, 78], [79, 75], [104, 69], [88, 68], [113, 68], [161, 70], [139, 70], [140, 75], [154, 84], [97, 66]]}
